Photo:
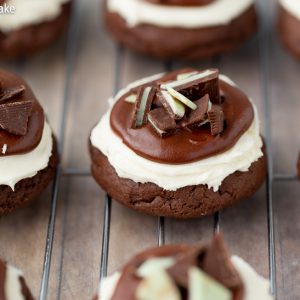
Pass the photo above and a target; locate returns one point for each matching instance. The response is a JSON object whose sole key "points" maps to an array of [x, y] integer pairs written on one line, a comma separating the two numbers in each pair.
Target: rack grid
{"points": [[263, 47]]}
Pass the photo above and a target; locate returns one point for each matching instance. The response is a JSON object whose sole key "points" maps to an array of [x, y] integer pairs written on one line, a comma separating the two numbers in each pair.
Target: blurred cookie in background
{"points": [[190, 29], [289, 25], [31, 25], [12, 283]]}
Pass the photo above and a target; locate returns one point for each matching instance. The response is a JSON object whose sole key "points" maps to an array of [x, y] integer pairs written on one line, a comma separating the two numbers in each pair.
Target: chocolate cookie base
{"points": [[187, 202], [169, 43], [31, 39], [289, 32], [28, 189]]}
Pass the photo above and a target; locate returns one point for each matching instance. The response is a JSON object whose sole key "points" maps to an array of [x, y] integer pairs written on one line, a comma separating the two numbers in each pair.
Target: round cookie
{"points": [[289, 25], [22, 34], [185, 272], [180, 31], [28, 152], [12, 284], [201, 165]]}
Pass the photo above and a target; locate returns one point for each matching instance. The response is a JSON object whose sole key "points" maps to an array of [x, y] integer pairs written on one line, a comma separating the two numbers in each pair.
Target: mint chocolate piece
{"points": [[14, 117], [199, 116], [161, 122], [216, 119], [143, 105], [218, 265], [196, 86], [9, 93], [175, 109]]}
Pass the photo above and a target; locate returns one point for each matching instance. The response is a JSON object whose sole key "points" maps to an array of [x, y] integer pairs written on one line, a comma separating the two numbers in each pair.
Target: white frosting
{"points": [[256, 287], [220, 12], [14, 168], [292, 6], [210, 171], [12, 286], [108, 285], [30, 12]]}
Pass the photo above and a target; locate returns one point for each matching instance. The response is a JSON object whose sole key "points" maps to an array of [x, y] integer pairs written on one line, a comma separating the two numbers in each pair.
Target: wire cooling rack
{"points": [[263, 48]]}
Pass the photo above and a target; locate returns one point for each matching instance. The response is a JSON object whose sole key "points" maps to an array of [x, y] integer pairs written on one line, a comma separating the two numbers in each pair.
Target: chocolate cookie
{"points": [[33, 38], [28, 189], [16, 287], [183, 43], [187, 202], [28, 152], [289, 31]]}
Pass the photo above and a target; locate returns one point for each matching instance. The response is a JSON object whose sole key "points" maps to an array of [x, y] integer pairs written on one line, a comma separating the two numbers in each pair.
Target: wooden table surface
{"points": [[86, 78]]}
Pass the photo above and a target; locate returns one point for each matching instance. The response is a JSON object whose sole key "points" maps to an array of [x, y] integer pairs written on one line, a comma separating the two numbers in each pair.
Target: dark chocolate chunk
{"points": [[199, 116], [196, 86], [218, 265], [143, 105], [14, 117], [10, 93], [175, 109], [161, 122], [216, 119]]}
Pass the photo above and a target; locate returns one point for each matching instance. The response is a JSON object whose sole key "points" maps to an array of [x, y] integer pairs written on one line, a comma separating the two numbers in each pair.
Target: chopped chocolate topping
{"points": [[175, 109], [161, 122], [196, 86], [143, 105], [216, 119], [14, 117], [199, 116], [10, 93]]}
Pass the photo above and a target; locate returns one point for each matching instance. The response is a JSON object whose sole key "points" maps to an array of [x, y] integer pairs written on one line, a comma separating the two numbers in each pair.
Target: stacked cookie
{"points": [[28, 155]]}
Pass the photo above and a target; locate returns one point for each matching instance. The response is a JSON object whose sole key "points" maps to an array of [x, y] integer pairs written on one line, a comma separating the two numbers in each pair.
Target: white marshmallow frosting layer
{"points": [[219, 12], [256, 287], [30, 12], [14, 168], [210, 171], [292, 6]]}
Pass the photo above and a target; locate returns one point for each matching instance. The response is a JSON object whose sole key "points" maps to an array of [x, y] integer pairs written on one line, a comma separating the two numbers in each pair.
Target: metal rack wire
{"points": [[118, 58]]}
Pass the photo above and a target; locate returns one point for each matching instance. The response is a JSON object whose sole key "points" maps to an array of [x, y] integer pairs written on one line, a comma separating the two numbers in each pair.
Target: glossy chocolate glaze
{"points": [[184, 146], [182, 2], [22, 144]]}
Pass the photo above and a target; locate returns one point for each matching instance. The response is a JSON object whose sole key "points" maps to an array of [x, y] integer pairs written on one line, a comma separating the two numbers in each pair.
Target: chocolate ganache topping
{"points": [[21, 116], [182, 2], [181, 270], [184, 116]]}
